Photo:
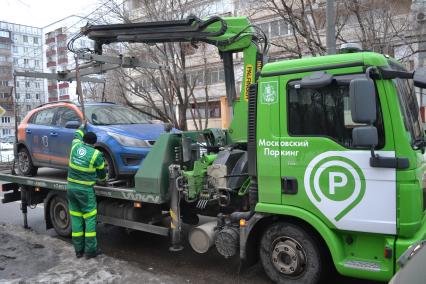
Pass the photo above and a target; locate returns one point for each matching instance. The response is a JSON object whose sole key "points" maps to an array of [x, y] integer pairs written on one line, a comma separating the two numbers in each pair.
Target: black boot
{"points": [[79, 254], [93, 254]]}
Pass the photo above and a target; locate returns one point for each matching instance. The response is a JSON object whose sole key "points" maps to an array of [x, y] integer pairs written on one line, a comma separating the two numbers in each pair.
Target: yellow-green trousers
{"points": [[82, 206]]}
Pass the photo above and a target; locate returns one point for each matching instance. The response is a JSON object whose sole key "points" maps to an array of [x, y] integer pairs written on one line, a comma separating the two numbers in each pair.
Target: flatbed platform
{"points": [[56, 179]]}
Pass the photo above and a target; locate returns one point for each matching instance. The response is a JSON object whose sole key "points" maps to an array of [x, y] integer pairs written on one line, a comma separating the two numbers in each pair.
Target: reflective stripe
{"points": [[92, 161], [90, 214], [81, 181], [77, 234], [75, 213], [81, 169], [80, 132], [102, 166], [90, 234]]}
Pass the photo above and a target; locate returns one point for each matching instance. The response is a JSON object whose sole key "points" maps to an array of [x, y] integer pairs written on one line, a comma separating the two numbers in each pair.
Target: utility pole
{"points": [[331, 30]]}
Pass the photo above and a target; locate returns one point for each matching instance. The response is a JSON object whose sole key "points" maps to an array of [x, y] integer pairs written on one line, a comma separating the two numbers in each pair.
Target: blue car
{"points": [[124, 136]]}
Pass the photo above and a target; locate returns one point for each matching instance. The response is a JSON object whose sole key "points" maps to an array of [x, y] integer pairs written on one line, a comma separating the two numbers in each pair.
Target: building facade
{"points": [[21, 49], [58, 58]]}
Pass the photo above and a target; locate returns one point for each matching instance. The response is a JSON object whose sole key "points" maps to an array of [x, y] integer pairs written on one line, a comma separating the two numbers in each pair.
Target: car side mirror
{"points": [[419, 78], [362, 101], [73, 124], [365, 137]]}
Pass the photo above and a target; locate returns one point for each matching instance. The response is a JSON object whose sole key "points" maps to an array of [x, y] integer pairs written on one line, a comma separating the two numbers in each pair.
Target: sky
{"points": [[41, 13]]}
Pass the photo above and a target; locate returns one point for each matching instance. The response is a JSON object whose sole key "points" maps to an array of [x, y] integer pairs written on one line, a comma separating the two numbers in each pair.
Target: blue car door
{"points": [[61, 137], [38, 135]]}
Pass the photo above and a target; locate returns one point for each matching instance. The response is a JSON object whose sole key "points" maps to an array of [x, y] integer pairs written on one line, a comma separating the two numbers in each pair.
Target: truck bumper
{"points": [[402, 244]]}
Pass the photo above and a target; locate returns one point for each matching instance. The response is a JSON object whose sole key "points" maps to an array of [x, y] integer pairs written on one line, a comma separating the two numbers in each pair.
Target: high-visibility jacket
{"points": [[86, 164]]}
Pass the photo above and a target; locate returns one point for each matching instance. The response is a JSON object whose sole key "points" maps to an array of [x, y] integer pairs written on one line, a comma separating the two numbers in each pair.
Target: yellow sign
{"points": [[249, 80], [2, 111]]}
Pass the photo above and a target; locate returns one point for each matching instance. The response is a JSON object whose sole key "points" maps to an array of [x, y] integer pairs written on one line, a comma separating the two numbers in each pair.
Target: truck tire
{"points": [[59, 216], [289, 254], [25, 163]]}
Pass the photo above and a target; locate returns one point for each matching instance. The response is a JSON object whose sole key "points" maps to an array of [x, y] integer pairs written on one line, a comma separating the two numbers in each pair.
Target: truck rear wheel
{"points": [[290, 254], [59, 216]]}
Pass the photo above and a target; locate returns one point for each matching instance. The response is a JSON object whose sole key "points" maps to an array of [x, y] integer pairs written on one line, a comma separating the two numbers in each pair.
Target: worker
{"points": [[86, 165]]}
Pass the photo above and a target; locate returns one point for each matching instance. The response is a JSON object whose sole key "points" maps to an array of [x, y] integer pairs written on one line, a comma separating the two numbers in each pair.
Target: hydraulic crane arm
{"points": [[228, 34]]}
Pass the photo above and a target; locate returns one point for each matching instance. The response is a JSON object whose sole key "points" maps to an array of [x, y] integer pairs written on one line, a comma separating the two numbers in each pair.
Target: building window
{"points": [[4, 34], [37, 85], [28, 107], [25, 38], [37, 63], [5, 119], [4, 46], [4, 95], [15, 49], [4, 83], [15, 61], [37, 96], [27, 96], [18, 96], [17, 84], [27, 84], [6, 132], [35, 40], [26, 61]]}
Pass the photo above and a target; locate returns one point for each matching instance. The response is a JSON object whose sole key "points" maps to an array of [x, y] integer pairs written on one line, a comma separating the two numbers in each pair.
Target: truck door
{"points": [[320, 170]]}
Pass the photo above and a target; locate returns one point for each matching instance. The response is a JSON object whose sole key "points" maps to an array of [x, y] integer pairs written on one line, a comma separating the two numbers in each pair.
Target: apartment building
{"points": [[58, 58], [21, 49]]}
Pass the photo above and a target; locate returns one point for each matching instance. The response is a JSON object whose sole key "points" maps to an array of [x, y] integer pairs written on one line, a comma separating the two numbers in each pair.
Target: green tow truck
{"points": [[321, 167]]}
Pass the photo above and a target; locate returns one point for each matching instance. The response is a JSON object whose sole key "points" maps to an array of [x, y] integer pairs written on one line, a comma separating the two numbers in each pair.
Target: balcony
{"points": [[61, 37], [51, 64], [62, 61], [50, 40], [51, 88], [50, 52], [64, 85]]}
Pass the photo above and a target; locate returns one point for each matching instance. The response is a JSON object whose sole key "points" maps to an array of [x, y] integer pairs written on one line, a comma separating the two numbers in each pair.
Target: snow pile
{"points": [[28, 257]]}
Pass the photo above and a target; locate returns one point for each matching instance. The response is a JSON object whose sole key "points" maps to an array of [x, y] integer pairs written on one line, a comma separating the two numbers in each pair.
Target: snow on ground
{"points": [[28, 257]]}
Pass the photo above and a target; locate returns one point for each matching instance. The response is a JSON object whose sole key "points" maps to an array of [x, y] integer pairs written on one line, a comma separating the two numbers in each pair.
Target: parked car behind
{"points": [[124, 136]]}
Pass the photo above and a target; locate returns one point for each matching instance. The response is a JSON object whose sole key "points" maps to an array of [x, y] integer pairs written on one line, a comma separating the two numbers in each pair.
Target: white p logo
{"points": [[337, 179]]}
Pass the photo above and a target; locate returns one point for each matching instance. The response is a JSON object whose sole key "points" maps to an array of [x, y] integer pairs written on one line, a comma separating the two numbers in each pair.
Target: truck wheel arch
{"points": [[330, 240]]}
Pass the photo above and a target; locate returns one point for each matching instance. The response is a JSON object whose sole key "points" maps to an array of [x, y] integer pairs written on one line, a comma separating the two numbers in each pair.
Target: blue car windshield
{"points": [[113, 115]]}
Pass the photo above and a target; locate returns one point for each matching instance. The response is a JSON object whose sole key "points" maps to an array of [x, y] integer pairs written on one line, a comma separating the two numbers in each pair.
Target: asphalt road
{"points": [[150, 252]]}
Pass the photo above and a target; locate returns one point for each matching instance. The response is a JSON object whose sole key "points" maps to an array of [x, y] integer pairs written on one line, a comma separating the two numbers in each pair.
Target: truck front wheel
{"points": [[59, 216], [290, 254]]}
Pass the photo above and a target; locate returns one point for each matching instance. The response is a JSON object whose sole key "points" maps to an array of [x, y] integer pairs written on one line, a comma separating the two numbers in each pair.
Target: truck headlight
{"points": [[129, 141]]}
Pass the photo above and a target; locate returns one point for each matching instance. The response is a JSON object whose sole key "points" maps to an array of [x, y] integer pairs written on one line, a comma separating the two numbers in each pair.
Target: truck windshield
{"points": [[113, 115], [409, 108]]}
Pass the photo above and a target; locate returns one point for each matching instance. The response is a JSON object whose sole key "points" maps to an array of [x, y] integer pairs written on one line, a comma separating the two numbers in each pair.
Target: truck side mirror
{"points": [[72, 124], [365, 136], [419, 78], [362, 101]]}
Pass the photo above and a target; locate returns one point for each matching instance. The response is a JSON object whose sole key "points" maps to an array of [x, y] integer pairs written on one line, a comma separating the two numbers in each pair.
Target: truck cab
{"points": [[310, 169]]}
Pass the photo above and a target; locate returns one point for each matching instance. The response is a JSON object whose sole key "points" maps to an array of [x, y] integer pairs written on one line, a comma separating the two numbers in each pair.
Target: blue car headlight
{"points": [[127, 141]]}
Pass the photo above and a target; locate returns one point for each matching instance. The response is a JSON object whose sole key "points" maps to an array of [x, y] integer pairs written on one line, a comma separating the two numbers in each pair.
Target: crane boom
{"points": [[229, 34]]}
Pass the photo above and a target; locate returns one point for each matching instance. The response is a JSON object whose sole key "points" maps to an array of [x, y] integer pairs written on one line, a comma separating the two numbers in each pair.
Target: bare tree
{"points": [[377, 25], [168, 93]]}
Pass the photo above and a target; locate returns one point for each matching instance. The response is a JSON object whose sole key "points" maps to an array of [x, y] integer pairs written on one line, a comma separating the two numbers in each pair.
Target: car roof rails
{"points": [[55, 102]]}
